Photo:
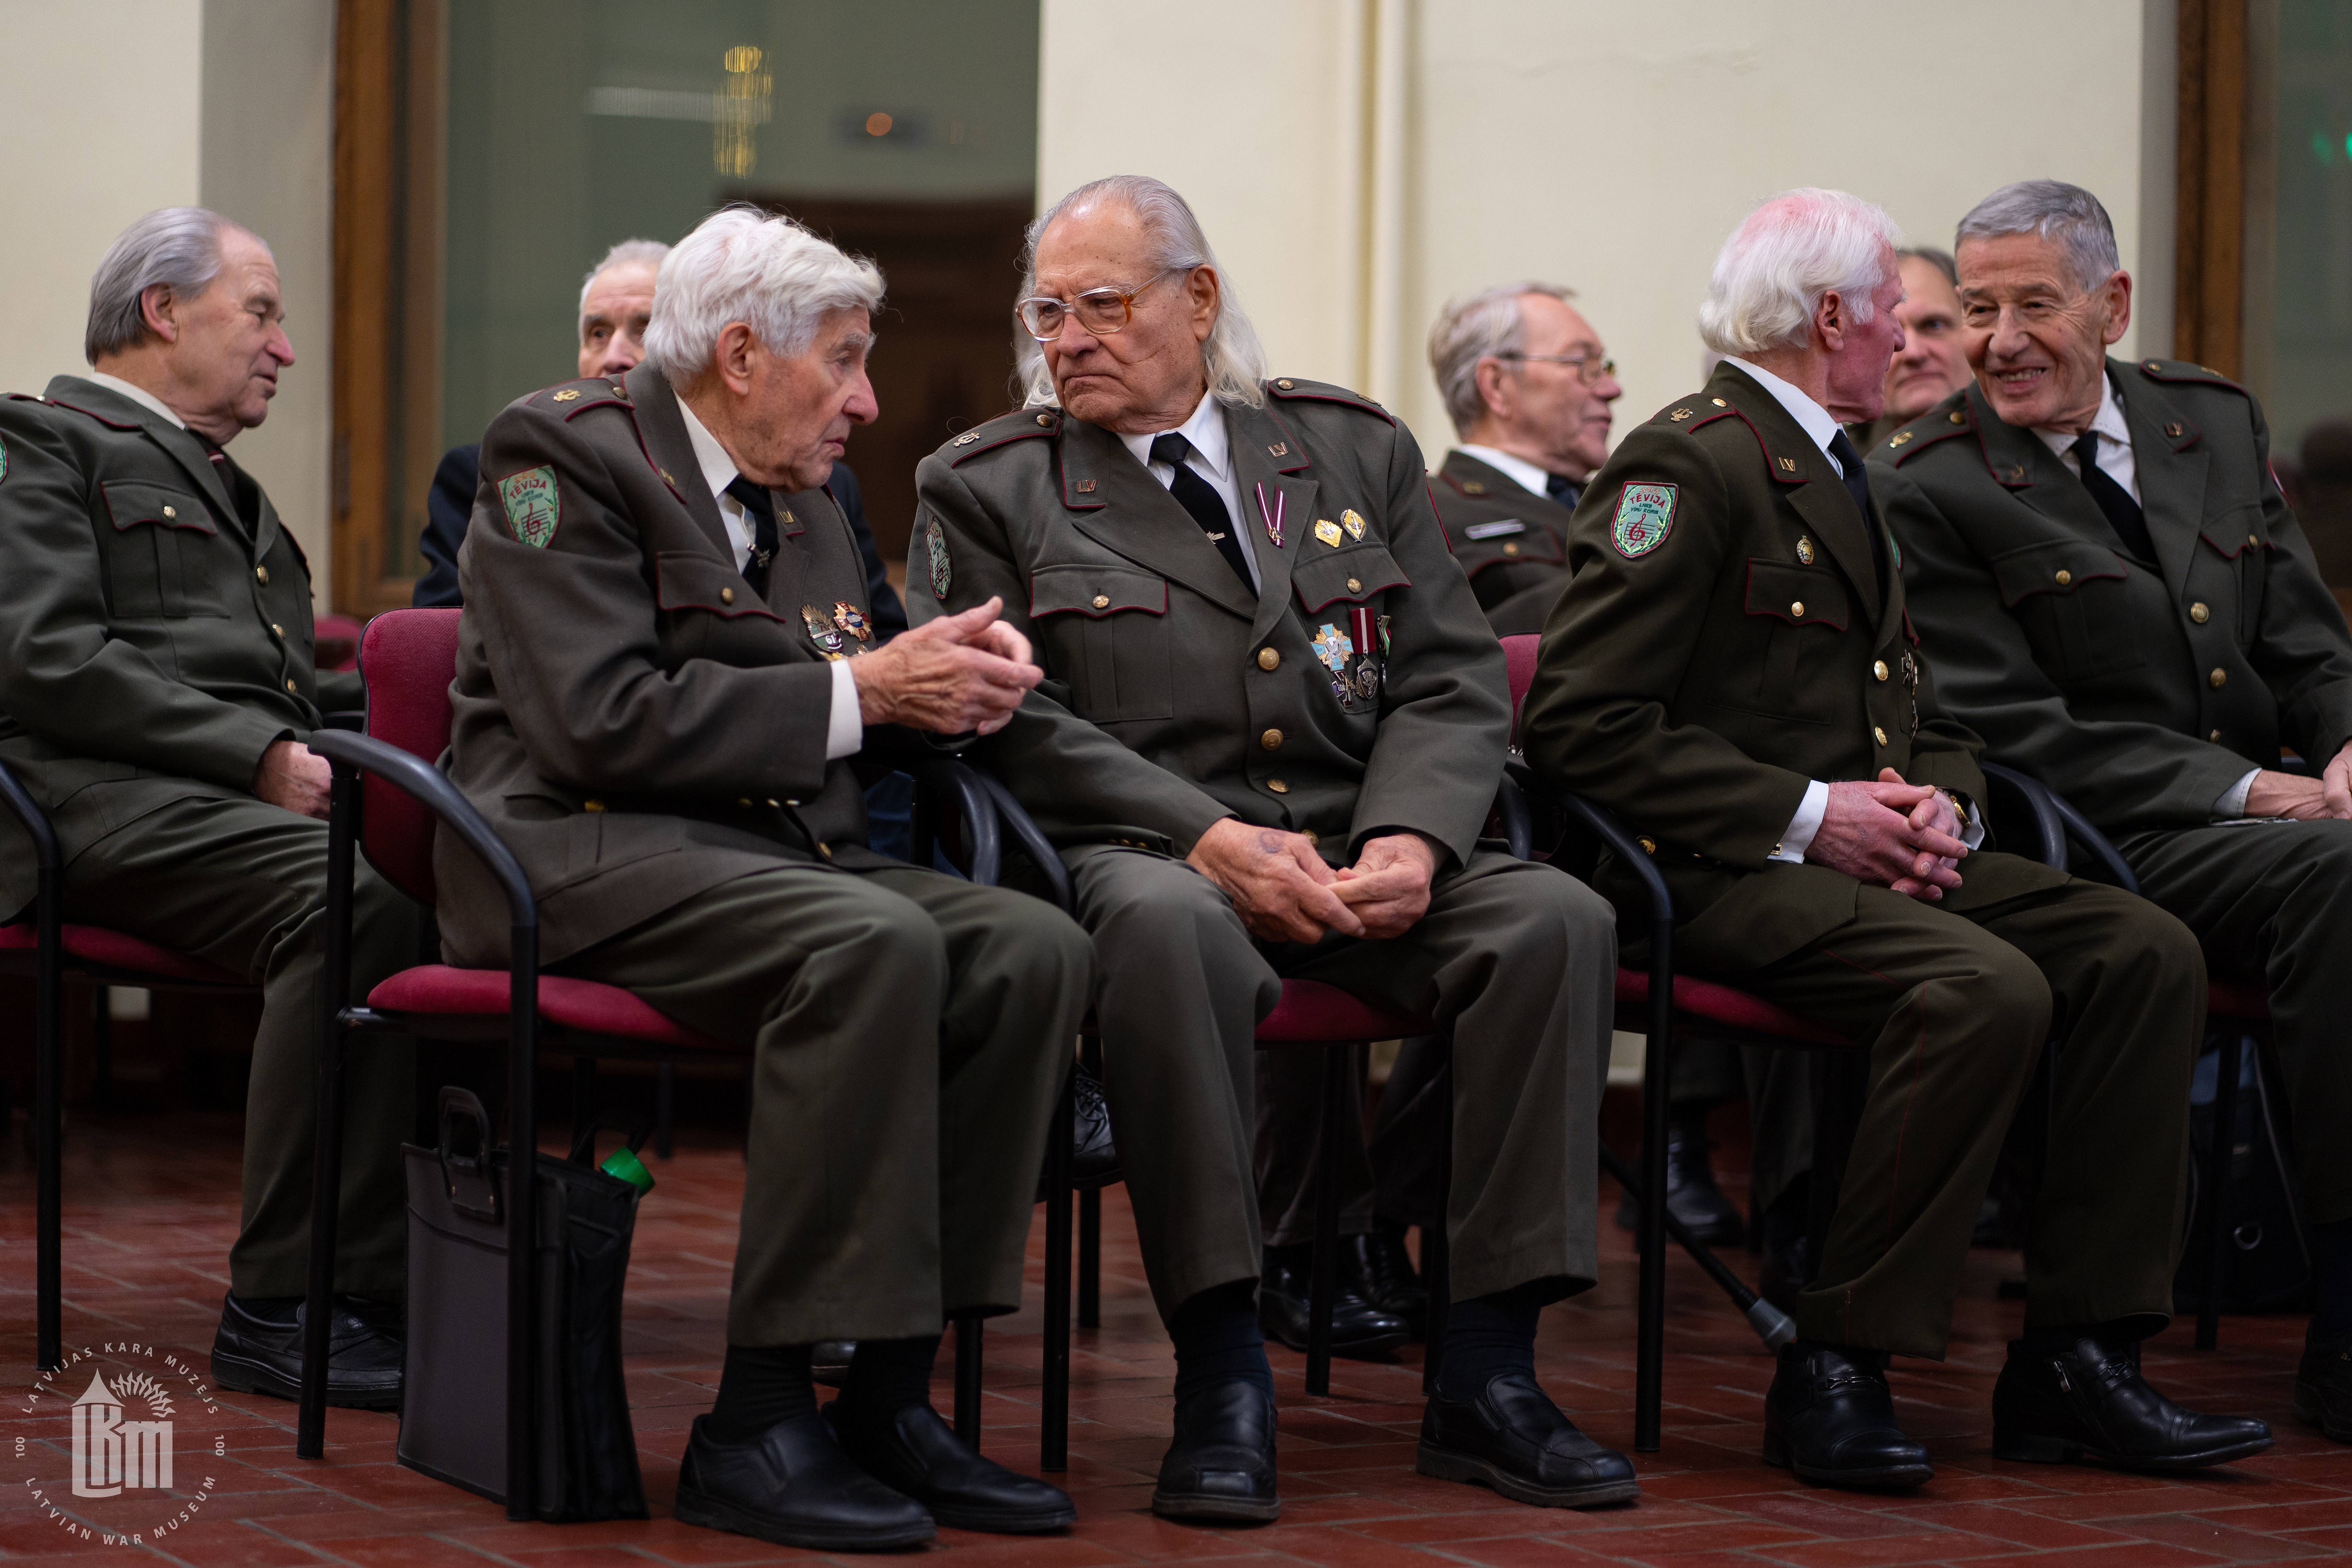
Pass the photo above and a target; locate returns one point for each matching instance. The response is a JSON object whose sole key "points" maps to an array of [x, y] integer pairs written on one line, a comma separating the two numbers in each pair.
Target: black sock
{"points": [[279, 1310], [2331, 1270], [1489, 1335], [886, 1376], [761, 1385], [1217, 1339], [2118, 1334]]}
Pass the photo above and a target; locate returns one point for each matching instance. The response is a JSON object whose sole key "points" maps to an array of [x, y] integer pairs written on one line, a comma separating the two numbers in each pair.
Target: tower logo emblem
{"points": [[112, 1453]]}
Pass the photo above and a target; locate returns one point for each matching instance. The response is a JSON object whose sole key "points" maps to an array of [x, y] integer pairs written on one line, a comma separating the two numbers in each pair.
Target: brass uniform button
{"points": [[290, 686], [591, 805], [1277, 786], [726, 595], [2065, 578], [745, 803], [825, 850], [1355, 585], [261, 575], [1958, 417], [1046, 420], [1510, 550], [2218, 680], [1271, 740], [1797, 608], [2199, 613], [1284, 385], [171, 512], [1648, 845], [1267, 659], [2251, 539], [1879, 733], [1878, 669], [1308, 835], [277, 631], [1102, 600], [1719, 402], [2215, 736]]}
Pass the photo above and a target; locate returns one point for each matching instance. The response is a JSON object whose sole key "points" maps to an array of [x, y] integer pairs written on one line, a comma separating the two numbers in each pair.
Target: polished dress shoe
{"points": [[1692, 1195], [2088, 1401], [1221, 1465], [1383, 1275], [1093, 1157], [1512, 1437], [1359, 1330], [258, 1350], [1831, 1418], [2322, 1387], [794, 1486], [914, 1452]]}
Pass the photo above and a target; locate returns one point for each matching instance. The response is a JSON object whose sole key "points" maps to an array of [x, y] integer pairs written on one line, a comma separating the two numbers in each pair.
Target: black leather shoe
{"points": [[1383, 1275], [794, 1486], [2322, 1387], [1831, 1418], [1221, 1465], [1093, 1157], [1359, 1330], [2089, 1401], [1692, 1195], [918, 1454], [258, 1350], [1512, 1437]]}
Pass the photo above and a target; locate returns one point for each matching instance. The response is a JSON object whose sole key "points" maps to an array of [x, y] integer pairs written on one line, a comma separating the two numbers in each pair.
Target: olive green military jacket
{"points": [[151, 646], [636, 722], [1723, 642], [2141, 690], [1511, 542], [1358, 692]]}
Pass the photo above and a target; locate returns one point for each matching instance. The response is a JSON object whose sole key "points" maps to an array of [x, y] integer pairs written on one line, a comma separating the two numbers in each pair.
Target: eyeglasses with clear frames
{"points": [[1101, 311], [1590, 369]]}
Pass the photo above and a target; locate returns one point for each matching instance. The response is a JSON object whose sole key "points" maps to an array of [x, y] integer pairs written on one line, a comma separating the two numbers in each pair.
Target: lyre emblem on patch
{"points": [[567, 395], [1679, 414], [966, 439], [1899, 437]]}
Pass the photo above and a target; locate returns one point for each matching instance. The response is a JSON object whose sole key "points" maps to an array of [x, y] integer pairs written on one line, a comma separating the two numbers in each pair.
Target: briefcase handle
{"points": [[634, 1125], [467, 1178]]}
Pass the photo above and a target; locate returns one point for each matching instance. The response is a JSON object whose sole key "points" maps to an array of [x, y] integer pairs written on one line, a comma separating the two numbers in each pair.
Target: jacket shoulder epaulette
{"points": [[106, 419], [566, 398], [2177, 373], [1939, 423], [1291, 389], [1020, 425]]}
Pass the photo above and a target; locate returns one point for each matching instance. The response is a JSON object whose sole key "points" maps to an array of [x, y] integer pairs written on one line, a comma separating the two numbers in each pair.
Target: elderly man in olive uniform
{"points": [[1529, 389], [2122, 605], [1729, 672], [665, 663], [156, 692], [1272, 726]]}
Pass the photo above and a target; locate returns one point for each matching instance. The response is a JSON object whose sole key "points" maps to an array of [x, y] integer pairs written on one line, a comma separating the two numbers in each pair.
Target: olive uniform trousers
{"points": [[912, 1033], [1955, 1006], [1514, 960], [241, 883]]}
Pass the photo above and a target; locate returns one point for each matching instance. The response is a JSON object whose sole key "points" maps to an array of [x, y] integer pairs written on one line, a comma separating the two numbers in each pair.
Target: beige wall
{"points": [[1357, 161]]}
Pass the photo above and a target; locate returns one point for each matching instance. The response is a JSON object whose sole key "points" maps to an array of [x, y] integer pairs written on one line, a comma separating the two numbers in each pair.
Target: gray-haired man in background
{"points": [[156, 693]]}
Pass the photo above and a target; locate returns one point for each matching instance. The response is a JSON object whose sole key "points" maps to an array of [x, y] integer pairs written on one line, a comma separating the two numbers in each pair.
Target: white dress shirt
{"points": [[2115, 442], [1211, 459], [1517, 469], [844, 730], [1820, 427], [138, 395]]}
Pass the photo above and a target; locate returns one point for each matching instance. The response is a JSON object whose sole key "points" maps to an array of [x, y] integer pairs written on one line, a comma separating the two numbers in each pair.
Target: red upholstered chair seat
{"points": [[2238, 999], [406, 657], [1733, 1009], [440, 991], [1312, 1013], [120, 950]]}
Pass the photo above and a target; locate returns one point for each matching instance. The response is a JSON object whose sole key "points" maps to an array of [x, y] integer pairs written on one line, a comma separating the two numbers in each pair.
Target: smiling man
{"points": [[1932, 363], [2122, 603]]}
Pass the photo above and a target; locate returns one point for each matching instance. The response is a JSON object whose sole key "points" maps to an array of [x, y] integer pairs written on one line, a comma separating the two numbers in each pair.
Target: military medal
{"points": [[1805, 551], [1353, 522], [1368, 661], [1334, 648], [1272, 518], [849, 618], [1328, 531], [822, 631]]}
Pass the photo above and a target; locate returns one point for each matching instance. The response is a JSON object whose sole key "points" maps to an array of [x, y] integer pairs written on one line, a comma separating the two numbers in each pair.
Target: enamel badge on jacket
{"points": [[532, 505], [1645, 515]]}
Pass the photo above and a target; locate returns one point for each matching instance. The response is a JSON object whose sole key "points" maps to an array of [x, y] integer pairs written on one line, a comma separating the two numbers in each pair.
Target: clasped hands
{"points": [[1892, 835], [2304, 799], [1284, 891]]}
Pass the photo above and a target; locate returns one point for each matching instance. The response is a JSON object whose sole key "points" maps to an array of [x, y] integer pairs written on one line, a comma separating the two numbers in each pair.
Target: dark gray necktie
{"points": [[761, 507], [1857, 485], [1563, 489], [2124, 514], [1197, 496]]}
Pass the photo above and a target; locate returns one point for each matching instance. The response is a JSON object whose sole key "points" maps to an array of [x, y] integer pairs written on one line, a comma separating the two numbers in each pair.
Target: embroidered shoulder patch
{"points": [[4, 462], [1645, 515], [935, 538], [533, 506]]}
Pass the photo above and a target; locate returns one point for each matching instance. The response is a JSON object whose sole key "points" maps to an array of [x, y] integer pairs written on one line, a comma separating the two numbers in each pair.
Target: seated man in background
{"points": [[156, 697], [1931, 364], [1728, 672], [1271, 729], [665, 666], [2122, 605], [1528, 390]]}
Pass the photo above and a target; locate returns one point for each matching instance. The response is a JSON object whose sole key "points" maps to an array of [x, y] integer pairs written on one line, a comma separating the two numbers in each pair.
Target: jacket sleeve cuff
{"points": [[1797, 837], [844, 730]]}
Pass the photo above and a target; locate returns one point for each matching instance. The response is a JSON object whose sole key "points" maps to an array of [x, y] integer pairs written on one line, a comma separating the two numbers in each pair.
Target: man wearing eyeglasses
{"points": [[2123, 604], [1528, 390], [1270, 730]]}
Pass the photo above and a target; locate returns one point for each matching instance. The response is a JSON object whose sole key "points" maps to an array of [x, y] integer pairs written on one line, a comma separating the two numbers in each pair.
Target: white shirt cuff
{"points": [[844, 732], [1972, 832], [1799, 835], [2232, 803]]}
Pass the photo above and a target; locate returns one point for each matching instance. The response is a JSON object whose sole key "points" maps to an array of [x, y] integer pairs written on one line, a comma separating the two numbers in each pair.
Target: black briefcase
{"points": [[2269, 1266], [453, 1424]]}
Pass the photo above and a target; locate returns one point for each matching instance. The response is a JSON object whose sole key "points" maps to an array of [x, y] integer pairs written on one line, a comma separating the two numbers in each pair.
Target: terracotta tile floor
{"points": [[150, 1210]]}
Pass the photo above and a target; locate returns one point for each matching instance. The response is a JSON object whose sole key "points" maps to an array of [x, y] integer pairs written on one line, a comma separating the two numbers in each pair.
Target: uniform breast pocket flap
{"points": [[162, 557], [687, 580], [1103, 631], [2070, 596], [2060, 566], [1324, 578], [2237, 530], [1800, 595], [1509, 543]]}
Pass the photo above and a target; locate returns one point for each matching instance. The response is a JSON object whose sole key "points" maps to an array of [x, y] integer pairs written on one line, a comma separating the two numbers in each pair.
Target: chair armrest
{"points": [[426, 784], [1518, 821], [2062, 822], [36, 823], [1016, 821], [959, 784], [1611, 832], [2049, 828]]}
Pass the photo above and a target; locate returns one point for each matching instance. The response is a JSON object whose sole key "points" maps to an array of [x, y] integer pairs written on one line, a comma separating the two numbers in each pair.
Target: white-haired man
{"points": [[1271, 730], [156, 695], [2123, 606], [665, 666], [1529, 388], [1730, 671]]}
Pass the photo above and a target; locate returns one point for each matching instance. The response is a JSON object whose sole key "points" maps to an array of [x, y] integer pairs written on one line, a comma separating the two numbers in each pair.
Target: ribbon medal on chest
{"points": [[829, 638], [851, 620]]}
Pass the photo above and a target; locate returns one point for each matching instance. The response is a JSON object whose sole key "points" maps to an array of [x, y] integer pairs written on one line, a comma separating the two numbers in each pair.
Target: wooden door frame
{"points": [[2210, 253]]}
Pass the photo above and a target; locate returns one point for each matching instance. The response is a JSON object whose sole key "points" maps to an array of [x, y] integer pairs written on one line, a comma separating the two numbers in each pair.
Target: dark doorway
{"points": [[945, 360]]}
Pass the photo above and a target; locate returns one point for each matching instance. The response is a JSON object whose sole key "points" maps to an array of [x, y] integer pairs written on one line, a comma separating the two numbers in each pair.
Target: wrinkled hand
{"points": [[1279, 885], [1388, 887], [292, 775], [1893, 835], [966, 671], [2292, 796]]}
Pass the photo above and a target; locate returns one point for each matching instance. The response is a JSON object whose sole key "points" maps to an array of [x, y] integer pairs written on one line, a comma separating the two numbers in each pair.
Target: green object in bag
{"points": [[623, 1163]]}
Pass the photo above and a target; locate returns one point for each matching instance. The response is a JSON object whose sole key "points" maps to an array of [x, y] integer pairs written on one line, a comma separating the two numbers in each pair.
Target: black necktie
{"points": [[243, 492], [2124, 514], [1563, 489], [1198, 496], [761, 509], [1857, 485]]}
